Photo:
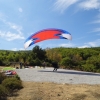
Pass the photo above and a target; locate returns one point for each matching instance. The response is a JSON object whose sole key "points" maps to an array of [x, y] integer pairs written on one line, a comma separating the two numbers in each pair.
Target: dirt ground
{"points": [[53, 91]]}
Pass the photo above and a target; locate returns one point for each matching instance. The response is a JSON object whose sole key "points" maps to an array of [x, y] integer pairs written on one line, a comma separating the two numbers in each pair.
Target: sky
{"points": [[21, 18]]}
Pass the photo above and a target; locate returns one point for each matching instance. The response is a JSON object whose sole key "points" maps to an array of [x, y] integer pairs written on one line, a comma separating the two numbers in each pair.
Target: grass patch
{"points": [[8, 68], [0, 68]]}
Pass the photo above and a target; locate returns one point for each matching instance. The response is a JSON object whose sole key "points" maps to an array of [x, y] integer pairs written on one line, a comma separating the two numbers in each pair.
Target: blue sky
{"points": [[21, 18]]}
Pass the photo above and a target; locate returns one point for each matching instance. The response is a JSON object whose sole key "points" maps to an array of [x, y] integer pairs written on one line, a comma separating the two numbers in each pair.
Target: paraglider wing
{"points": [[47, 34]]}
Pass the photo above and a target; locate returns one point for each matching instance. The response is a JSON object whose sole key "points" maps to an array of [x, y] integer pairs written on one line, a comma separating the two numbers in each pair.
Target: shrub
{"points": [[98, 71], [2, 77], [3, 92], [66, 62], [17, 77], [89, 68], [12, 84]]}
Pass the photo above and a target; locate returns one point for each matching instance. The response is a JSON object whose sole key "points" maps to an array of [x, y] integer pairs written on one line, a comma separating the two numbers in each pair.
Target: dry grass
{"points": [[53, 91], [1, 68]]}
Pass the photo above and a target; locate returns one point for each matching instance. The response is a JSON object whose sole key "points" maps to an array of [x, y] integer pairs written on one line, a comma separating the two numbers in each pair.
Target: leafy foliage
{"points": [[72, 58], [86, 59], [3, 92], [2, 77], [8, 85], [12, 84]]}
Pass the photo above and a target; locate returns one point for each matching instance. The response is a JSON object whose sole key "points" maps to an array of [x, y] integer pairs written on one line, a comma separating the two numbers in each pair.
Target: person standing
{"points": [[20, 65], [44, 64], [55, 65]]}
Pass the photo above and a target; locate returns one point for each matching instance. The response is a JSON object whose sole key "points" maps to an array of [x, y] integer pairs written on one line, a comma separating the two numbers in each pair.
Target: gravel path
{"points": [[61, 76]]}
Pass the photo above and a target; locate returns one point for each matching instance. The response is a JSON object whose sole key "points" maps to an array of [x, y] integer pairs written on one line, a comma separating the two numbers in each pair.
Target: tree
{"points": [[66, 62], [39, 53]]}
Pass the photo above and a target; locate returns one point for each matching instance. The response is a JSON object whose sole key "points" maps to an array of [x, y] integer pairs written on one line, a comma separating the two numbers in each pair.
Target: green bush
{"points": [[17, 77], [12, 84], [2, 77], [89, 68], [3, 92], [66, 62], [98, 71]]}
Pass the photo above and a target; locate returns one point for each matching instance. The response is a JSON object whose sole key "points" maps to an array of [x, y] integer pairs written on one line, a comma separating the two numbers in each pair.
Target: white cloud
{"points": [[22, 49], [95, 43], [84, 46], [15, 27], [20, 10], [10, 24], [66, 45], [90, 4], [15, 49], [64, 4], [2, 17], [96, 30], [10, 36], [96, 21], [98, 16]]}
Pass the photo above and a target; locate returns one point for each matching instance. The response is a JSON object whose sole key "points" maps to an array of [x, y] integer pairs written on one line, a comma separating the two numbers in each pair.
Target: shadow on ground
{"points": [[72, 72]]}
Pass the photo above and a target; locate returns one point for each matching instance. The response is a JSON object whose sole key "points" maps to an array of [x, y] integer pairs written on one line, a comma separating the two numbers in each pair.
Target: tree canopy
{"points": [[87, 59]]}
